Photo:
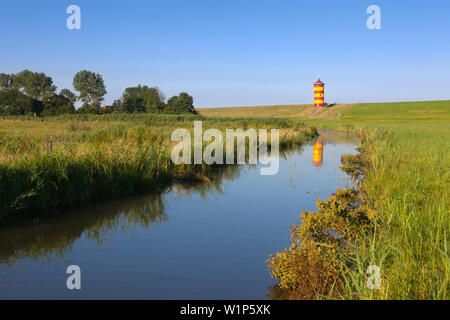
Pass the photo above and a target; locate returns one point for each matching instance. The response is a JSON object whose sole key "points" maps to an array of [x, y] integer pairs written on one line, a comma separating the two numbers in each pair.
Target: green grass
{"points": [[95, 158], [399, 111], [407, 183]]}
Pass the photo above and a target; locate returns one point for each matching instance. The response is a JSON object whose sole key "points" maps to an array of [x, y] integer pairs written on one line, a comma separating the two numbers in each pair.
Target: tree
{"points": [[91, 90], [142, 99], [183, 103], [5, 81], [57, 104], [14, 102], [133, 99], [69, 95], [116, 104], [154, 100], [34, 84]]}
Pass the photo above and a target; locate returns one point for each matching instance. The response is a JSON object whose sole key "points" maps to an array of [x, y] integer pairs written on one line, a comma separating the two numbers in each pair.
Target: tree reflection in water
{"points": [[53, 235]]}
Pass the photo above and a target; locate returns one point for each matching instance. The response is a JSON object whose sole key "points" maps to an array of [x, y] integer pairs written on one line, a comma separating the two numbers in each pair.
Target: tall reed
{"points": [[94, 160]]}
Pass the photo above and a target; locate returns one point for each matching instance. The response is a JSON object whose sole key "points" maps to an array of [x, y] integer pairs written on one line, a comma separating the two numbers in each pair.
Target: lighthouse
{"points": [[319, 93]]}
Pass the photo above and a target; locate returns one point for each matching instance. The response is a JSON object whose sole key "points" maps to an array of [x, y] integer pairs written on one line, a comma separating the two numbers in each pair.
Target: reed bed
{"points": [[95, 158]]}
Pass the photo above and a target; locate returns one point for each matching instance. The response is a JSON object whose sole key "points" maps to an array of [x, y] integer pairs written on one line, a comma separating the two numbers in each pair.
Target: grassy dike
{"points": [[397, 218], [95, 158]]}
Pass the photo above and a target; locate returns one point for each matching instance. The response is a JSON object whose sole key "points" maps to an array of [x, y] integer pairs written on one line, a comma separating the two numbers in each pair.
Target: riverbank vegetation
{"points": [[397, 218], [61, 161], [36, 238]]}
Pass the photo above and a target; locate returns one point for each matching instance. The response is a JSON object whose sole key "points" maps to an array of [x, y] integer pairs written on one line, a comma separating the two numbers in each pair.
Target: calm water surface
{"points": [[191, 242]]}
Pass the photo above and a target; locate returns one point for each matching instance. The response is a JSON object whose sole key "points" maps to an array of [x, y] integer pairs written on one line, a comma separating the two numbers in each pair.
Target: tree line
{"points": [[28, 92]]}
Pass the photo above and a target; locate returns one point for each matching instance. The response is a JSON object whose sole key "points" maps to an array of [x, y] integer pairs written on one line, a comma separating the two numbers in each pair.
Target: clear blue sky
{"points": [[231, 53]]}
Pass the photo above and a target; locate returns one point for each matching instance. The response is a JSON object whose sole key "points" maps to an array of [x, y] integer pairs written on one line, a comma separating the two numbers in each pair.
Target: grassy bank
{"points": [[296, 111], [95, 158], [403, 195], [406, 181], [365, 112], [402, 226]]}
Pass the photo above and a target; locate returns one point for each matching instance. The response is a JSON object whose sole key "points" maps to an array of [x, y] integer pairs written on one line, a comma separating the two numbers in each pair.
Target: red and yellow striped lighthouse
{"points": [[319, 93]]}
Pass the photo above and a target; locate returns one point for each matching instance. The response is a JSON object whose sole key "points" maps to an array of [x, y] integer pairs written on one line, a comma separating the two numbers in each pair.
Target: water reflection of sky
{"points": [[207, 242]]}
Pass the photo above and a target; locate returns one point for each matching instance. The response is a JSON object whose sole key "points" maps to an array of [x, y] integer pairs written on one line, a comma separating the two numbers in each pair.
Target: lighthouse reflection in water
{"points": [[318, 153]]}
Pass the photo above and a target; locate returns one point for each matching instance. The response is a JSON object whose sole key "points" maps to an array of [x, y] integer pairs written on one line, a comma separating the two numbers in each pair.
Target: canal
{"points": [[207, 241]]}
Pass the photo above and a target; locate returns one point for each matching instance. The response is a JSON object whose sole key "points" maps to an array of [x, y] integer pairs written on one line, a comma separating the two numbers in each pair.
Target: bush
{"points": [[56, 105], [312, 268], [89, 109], [14, 102], [183, 103]]}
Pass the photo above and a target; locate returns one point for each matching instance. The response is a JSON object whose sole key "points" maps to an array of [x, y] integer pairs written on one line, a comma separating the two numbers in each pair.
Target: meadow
{"points": [[404, 191], [94, 158]]}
